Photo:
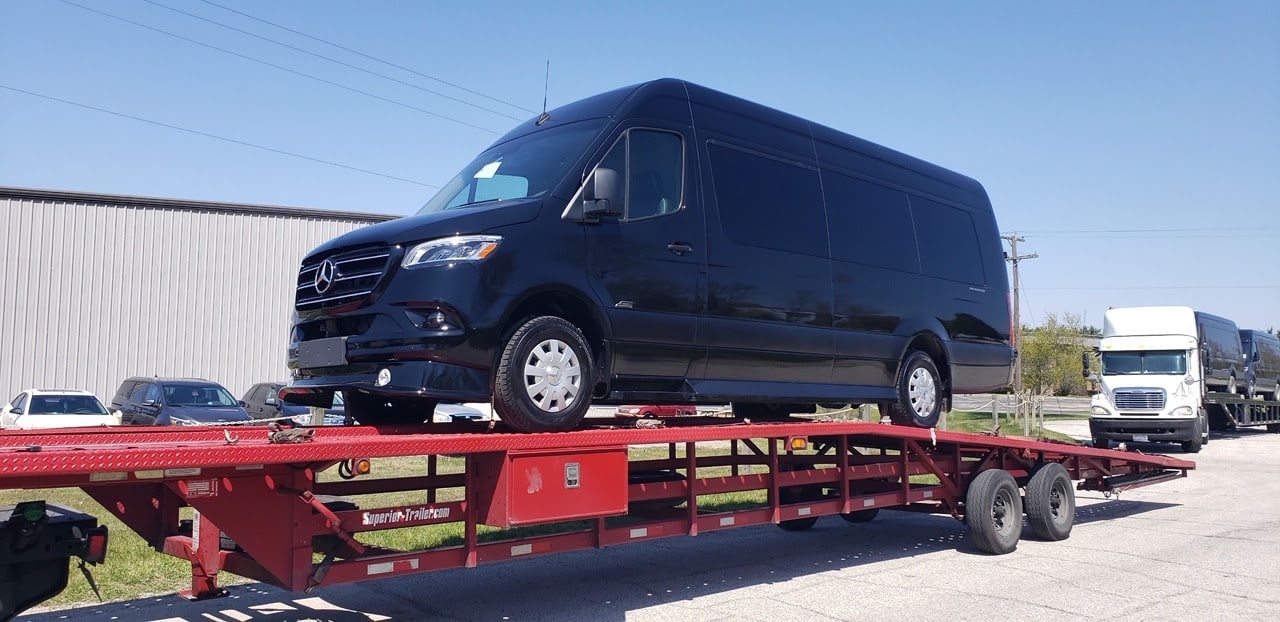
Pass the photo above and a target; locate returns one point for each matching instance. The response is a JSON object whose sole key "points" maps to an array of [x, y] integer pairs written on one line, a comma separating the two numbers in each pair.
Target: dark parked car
{"points": [[262, 401], [663, 243], [1262, 363], [176, 401]]}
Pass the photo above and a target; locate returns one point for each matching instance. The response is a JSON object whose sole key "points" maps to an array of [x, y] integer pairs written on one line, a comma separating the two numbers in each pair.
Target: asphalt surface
{"points": [[1206, 548]]}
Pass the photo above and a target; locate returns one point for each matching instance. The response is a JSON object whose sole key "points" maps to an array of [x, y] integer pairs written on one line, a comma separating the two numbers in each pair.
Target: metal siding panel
{"points": [[98, 291]]}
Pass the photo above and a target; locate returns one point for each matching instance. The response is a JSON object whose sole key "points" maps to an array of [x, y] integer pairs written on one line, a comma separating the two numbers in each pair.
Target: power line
{"points": [[368, 56], [280, 67], [1148, 230], [215, 136], [333, 60]]}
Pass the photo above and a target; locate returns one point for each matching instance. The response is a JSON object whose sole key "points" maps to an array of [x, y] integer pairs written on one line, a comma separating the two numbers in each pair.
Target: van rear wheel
{"points": [[544, 378], [919, 401]]}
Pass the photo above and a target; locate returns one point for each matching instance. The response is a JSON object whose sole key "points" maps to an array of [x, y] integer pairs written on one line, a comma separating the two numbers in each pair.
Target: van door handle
{"points": [[679, 248]]}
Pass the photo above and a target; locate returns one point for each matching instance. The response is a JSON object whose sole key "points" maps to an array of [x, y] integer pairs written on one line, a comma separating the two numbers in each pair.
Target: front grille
{"points": [[356, 275], [1142, 399]]}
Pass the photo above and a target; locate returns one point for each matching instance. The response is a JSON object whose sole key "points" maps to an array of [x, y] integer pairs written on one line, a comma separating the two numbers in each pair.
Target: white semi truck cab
{"points": [[1151, 384]]}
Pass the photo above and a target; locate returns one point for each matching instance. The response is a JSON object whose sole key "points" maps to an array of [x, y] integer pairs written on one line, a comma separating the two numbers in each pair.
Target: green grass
{"points": [[980, 422]]}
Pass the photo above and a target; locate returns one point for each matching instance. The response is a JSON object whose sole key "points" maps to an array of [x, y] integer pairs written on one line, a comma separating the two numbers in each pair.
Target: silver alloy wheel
{"points": [[922, 390], [552, 375], [1231, 384]]}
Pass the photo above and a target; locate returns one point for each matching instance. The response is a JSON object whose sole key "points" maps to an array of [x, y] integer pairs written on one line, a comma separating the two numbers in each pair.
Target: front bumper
{"points": [[1155, 429], [426, 379]]}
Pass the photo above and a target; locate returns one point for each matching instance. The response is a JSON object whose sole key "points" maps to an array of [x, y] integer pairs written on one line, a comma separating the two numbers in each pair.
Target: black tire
{"points": [[797, 495], [761, 412], [861, 516], [371, 409], [1051, 502], [1204, 427], [552, 403], [993, 511], [919, 386], [1193, 445], [1250, 389]]}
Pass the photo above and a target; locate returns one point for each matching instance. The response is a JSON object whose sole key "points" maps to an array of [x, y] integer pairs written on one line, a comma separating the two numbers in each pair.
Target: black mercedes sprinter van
{"points": [[663, 243]]}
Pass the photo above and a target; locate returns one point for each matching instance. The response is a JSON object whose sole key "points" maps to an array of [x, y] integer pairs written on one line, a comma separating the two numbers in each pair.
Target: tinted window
{"points": [[654, 165], [768, 202], [197, 395], [870, 224], [19, 402], [947, 241]]}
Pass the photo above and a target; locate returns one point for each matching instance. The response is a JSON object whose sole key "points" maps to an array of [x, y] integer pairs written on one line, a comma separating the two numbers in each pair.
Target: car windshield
{"points": [[197, 395], [66, 405], [1158, 362], [528, 166]]}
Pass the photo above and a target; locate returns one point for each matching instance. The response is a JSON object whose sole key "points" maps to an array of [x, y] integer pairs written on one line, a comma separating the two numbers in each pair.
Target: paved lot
{"points": [[1205, 547]]}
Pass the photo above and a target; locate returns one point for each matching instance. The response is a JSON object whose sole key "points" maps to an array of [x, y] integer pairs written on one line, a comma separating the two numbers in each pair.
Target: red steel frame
{"points": [[266, 498]]}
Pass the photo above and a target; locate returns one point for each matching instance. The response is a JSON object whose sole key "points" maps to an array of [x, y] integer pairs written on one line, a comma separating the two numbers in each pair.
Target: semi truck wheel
{"points": [[919, 401], [544, 378], [1051, 502], [371, 409], [1197, 441], [993, 511]]}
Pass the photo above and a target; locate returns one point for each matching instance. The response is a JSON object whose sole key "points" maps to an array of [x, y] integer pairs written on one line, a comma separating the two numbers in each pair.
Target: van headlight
{"points": [[447, 250]]}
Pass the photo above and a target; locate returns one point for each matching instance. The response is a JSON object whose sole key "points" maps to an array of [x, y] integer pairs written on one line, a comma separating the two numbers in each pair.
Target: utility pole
{"points": [[1016, 336]]}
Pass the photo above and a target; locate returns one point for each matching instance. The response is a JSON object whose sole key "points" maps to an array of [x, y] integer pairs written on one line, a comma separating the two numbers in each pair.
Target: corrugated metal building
{"points": [[97, 288]]}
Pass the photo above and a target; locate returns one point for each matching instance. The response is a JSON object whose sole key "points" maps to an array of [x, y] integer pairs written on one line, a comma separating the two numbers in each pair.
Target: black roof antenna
{"points": [[544, 117]]}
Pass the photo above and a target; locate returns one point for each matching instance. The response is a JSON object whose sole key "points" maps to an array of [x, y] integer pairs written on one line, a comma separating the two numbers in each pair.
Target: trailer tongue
{"points": [[261, 512]]}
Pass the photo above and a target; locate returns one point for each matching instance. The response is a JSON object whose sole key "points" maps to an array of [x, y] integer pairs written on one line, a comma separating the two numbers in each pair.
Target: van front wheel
{"points": [[919, 401], [544, 378]]}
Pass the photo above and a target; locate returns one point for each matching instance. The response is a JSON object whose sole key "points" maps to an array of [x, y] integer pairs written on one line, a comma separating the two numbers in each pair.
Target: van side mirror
{"points": [[601, 196]]}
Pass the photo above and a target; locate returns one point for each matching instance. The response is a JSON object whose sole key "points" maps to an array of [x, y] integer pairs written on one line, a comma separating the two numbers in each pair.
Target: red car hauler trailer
{"points": [[261, 513]]}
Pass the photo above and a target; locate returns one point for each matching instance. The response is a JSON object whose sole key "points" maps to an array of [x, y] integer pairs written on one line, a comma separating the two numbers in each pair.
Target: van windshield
{"points": [[528, 166], [1159, 362]]}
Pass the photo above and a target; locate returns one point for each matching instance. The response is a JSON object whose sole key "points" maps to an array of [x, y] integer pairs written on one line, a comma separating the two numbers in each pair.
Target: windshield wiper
{"points": [[474, 203]]}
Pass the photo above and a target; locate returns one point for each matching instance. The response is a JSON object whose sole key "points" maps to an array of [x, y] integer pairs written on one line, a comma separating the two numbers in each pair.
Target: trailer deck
{"points": [[1228, 411], [261, 511]]}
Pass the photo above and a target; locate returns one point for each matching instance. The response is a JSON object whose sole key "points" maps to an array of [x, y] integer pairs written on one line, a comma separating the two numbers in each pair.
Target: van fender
{"points": [[930, 331], [570, 303]]}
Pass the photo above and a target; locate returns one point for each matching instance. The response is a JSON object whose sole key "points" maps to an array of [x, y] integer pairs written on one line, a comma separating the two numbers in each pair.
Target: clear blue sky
{"points": [[1136, 145]]}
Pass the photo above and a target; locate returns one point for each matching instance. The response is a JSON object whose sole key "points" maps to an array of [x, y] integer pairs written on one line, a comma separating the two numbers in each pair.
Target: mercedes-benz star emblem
{"points": [[325, 276]]}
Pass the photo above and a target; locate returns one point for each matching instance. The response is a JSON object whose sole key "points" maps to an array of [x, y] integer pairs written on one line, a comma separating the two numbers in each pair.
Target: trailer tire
{"points": [[798, 495], [920, 394], [557, 397], [861, 516], [371, 409], [1051, 502], [993, 512]]}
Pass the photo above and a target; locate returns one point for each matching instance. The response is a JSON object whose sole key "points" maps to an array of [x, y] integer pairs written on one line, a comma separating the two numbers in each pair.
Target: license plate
{"points": [[330, 352], [1141, 438]]}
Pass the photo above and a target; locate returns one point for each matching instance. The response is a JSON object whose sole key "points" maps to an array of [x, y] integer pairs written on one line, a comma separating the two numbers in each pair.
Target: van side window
{"points": [[768, 202], [870, 223], [654, 161], [948, 242]]}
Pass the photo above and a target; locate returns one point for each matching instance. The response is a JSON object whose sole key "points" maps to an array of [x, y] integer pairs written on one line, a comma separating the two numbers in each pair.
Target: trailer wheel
{"points": [[861, 516], [1051, 502], [993, 511], [382, 410], [544, 379], [792, 495], [919, 401]]}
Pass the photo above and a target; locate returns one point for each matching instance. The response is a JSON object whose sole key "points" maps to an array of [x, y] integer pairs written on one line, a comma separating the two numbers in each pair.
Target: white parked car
{"points": [[55, 408]]}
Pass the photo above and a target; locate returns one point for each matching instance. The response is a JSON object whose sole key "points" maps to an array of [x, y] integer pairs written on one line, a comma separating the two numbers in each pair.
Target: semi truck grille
{"points": [[340, 279], [1144, 399]]}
